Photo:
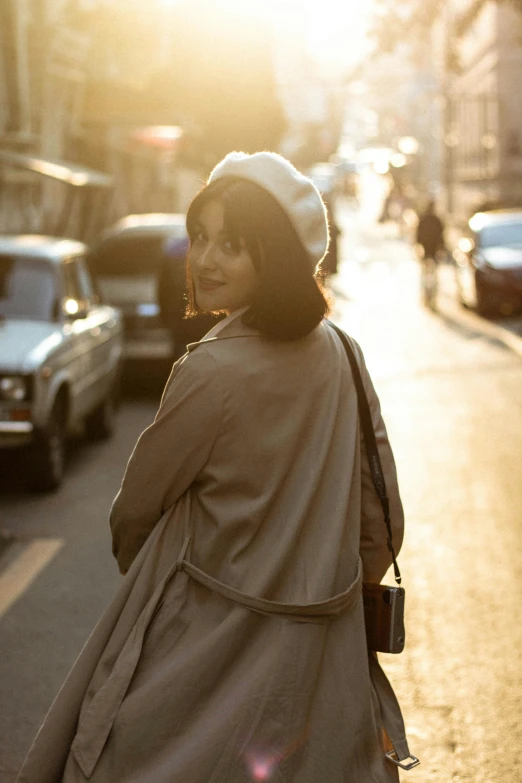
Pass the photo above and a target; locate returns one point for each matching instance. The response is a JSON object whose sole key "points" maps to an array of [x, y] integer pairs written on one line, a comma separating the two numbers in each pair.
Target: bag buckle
{"points": [[392, 756]]}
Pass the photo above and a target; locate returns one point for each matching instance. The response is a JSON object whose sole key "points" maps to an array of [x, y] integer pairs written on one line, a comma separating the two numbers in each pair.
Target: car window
{"points": [[77, 284], [71, 283], [128, 256], [128, 289], [501, 234], [133, 268], [84, 279], [28, 288]]}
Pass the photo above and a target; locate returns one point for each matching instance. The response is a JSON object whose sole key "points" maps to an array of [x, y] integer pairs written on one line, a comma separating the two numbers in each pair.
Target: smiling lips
{"points": [[206, 284]]}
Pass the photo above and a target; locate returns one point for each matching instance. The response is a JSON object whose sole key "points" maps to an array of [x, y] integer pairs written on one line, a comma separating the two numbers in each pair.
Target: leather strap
{"points": [[370, 443]]}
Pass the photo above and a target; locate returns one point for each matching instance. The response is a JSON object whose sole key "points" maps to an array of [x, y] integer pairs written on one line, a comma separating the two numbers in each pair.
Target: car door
{"points": [[106, 338], [77, 308]]}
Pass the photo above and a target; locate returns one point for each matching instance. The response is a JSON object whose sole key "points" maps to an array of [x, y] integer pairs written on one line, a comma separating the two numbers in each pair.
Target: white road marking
{"points": [[24, 569]]}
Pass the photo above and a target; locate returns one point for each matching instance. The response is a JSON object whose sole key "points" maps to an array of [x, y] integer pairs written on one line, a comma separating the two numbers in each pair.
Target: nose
{"points": [[207, 259]]}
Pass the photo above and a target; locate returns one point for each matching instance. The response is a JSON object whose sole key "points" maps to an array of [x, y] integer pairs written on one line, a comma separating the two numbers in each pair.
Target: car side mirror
{"points": [[74, 308]]}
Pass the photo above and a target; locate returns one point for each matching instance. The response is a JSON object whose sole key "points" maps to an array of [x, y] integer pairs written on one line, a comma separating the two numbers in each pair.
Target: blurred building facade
{"points": [[108, 108], [479, 66], [44, 56]]}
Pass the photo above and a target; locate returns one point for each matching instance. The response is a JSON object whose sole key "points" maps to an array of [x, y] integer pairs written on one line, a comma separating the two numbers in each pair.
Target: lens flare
{"points": [[262, 770], [262, 761]]}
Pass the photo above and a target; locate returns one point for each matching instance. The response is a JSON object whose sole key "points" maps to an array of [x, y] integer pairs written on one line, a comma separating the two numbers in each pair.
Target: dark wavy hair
{"points": [[290, 300]]}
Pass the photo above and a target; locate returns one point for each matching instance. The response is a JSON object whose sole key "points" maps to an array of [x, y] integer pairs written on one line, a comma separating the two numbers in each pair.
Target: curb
{"points": [[496, 331]]}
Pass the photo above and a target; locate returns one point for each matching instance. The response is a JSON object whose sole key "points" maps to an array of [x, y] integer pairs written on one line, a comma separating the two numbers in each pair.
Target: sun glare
{"points": [[334, 31]]}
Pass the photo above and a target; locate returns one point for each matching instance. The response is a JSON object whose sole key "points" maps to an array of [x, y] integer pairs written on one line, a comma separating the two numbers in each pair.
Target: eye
{"points": [[199, 236], [230, 247]]}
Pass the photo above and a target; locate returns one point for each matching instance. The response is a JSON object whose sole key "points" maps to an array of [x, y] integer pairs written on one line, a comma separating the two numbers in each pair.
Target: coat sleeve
{"points": [[374, 551], [169, 454]]}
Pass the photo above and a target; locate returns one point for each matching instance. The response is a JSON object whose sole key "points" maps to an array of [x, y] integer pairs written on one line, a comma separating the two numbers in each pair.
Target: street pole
{"points": [[448, 152], [20, 9], [448, 132]]}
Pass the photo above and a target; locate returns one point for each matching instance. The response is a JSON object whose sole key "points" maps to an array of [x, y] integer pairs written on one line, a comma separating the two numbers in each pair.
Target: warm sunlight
{"points": [[333, 31]]}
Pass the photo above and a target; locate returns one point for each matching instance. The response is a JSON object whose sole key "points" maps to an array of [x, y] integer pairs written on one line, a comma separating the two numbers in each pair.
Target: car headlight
{"points": [[13, 387]]}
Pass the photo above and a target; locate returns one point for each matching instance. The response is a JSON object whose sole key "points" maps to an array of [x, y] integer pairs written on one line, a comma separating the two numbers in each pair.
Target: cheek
{"points": [[192, 260], [253, 282], [253, 278], [246, 275]]}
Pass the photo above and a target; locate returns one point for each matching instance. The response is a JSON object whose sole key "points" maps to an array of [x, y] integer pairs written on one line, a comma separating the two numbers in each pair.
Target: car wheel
{"points": [[101, 422], [487, 303], [48, 453]]}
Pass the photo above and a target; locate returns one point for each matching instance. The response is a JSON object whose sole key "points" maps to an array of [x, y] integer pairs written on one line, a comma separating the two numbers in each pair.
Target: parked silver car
{"points": [[60, 352]]}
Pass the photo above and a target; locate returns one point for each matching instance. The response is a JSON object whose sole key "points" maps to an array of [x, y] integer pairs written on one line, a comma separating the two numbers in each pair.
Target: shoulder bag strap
{"points": [[370, 444]]}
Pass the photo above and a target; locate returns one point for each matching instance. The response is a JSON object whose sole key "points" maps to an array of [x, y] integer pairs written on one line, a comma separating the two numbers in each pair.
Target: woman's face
{"points": [[224, 276]]}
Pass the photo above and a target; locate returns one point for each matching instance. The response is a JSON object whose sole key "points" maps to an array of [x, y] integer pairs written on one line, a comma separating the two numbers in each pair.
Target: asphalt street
{"points": [[449, 385]]}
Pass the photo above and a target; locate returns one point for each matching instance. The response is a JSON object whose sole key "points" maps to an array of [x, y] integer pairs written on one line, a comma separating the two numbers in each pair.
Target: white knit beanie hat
{"points": [[294, 192]]}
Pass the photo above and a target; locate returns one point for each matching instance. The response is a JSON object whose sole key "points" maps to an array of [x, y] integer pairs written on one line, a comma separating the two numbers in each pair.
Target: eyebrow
{"points": [[198, 225]]}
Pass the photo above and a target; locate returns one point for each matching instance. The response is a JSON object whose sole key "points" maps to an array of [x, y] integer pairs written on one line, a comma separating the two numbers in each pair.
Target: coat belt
{"points": [[97, 721]]}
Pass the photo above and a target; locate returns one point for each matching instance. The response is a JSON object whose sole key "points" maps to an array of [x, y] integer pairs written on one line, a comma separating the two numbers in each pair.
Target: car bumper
{"points": [[16, 426], [14, 434], [148, 346], [508, 282]]}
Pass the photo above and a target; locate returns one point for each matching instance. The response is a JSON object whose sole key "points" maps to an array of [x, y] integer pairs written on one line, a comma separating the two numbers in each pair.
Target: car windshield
{"points": [[502, 234], [28, 288], [130, 255], [128, 269]]}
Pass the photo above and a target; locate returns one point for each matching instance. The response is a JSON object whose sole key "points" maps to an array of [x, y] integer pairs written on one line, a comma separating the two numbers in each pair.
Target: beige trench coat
{"points": [[235, 648]]}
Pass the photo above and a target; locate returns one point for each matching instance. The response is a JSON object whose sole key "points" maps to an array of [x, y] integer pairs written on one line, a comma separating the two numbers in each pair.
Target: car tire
{"points": [[48, 452], [100, 424], [487, 304]]}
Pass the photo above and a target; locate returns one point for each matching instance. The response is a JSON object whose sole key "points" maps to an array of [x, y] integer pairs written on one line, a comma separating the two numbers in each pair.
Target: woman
{"points": [[235, 649]]}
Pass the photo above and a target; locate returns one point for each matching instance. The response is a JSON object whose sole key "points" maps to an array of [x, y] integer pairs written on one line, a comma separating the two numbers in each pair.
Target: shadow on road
{"points": [[145, 380], [512, 324], [468, 332], [15, 467], [141, 382]]}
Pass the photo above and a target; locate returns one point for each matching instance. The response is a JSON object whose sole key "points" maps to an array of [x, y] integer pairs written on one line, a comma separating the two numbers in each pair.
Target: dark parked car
{"points": [[489, 262], [139, 267]]}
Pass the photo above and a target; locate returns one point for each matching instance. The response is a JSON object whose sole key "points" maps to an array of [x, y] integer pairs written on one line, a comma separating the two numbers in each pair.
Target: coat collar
{"points": [[231, 326]]}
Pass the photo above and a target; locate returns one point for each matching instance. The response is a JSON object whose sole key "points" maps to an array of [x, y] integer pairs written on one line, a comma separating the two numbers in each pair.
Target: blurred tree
{"points": [[204, 65], [220, 80], [200, 64], [408, 23], [399, 22], [124, 40]]}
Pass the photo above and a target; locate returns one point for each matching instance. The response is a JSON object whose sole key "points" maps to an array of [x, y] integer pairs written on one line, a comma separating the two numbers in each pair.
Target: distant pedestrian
{"points": [[330, 263], [430, 237], [235, 649]]}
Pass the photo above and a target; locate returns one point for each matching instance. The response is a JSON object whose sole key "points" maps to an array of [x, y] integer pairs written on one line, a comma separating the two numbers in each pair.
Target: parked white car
{"points": [[60, 352]]}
